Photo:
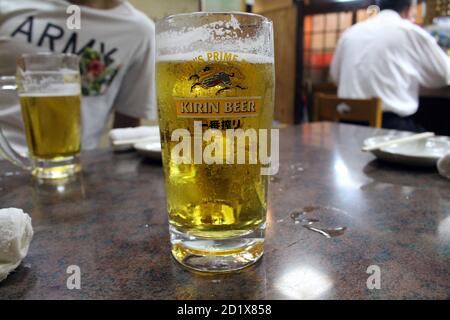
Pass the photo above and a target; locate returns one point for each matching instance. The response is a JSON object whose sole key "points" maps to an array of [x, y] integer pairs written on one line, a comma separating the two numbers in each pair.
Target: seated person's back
{"points": [[389, 57]]}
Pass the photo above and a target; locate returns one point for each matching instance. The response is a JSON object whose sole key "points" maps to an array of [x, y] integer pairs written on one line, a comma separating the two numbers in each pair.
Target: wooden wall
{"points": [[157, 9], [270, 5], [283, 13]]}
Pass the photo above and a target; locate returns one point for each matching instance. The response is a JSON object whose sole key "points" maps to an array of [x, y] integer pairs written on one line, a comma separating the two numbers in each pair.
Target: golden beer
{"points": [[214, 201], [52, 125], [49, 89]]}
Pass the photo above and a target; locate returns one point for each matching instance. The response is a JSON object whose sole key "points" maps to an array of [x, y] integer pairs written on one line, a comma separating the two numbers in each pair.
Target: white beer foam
{"points": [[225, 34], [63, 82], [183, 57], [55, 90], [62, 71]]}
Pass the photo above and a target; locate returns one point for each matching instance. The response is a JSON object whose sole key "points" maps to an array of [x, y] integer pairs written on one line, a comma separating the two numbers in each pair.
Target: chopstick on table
{"points": [[412, 138], [134, 141]]}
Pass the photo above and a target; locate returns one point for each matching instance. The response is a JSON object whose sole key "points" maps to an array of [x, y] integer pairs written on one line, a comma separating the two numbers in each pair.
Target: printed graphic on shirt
{"points": [[97, 73], [97, 65]]}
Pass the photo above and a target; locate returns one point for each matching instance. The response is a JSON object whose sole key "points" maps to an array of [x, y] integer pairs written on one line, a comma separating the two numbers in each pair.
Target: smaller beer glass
{"points": [[48, 86]]}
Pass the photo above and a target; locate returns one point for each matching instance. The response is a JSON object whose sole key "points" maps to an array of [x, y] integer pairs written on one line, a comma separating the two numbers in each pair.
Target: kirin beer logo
{"points": [[214, 75]]}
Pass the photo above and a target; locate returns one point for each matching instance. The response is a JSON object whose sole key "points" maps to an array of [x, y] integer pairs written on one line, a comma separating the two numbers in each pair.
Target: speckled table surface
{"points": [[112, 223]]}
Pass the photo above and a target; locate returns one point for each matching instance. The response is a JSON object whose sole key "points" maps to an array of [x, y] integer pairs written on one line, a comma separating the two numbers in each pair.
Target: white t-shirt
{"points": [[117, 51], [390, 58]]}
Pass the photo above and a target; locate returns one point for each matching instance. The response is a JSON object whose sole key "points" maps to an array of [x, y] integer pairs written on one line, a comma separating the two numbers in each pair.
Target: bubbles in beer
{"points": [[214, 201]]}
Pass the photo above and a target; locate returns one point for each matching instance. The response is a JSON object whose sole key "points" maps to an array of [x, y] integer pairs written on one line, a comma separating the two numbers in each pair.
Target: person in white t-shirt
{"points": [[389, 57], [116, 46]]}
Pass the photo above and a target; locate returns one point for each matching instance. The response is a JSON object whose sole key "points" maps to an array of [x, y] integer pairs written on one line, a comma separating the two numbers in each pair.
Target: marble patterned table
{"points": [[111, 223]]}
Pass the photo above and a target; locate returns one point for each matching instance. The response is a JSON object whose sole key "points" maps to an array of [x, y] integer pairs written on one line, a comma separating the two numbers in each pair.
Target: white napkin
{"points": [[125, 138], [444, 166], [16, 233]]}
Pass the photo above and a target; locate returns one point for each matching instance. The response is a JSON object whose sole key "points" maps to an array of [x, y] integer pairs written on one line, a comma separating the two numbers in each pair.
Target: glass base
{"points": [[217, 255], [58, 168]]}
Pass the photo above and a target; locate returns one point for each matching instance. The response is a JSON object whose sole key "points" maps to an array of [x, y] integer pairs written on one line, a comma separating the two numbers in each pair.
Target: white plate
{"points": [[425, 153], [149, 149]]}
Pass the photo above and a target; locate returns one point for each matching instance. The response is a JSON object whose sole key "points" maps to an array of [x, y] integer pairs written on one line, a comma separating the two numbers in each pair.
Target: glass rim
{"points": [[48, 54], [262, 18]]}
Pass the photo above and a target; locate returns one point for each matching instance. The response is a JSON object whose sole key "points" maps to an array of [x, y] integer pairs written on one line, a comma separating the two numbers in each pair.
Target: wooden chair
{"points": [[332, 108], [310, 90]]}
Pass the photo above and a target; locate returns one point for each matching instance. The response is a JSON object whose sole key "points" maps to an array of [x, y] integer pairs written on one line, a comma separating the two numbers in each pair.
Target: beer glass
{"points": [[48, 86], [215, 71]]}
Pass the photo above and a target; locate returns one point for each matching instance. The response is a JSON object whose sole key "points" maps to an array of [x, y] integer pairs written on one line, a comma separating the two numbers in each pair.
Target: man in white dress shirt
{"points": [[389, 57]]}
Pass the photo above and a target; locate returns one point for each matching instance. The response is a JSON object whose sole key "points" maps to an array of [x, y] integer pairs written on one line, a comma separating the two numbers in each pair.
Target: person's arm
{"points": [[433, 62], [336, 63], [124, 121]]}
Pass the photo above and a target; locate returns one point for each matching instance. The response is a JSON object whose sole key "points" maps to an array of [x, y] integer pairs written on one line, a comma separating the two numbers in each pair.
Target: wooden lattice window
{"points": [[437, 8], [321, 33]]}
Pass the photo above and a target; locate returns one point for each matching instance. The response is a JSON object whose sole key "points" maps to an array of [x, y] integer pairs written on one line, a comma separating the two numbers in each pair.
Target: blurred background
{"points": [[306, 34]]}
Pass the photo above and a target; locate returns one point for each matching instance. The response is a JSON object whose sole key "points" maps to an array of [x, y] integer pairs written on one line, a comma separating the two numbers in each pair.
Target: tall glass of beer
{"points": [[48, 86], [215, 77]]}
